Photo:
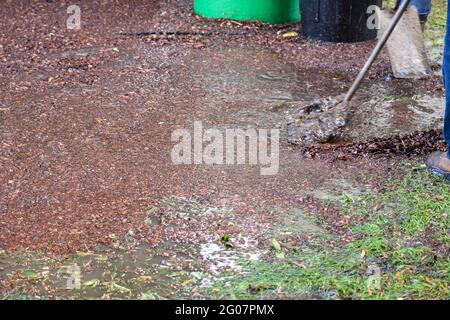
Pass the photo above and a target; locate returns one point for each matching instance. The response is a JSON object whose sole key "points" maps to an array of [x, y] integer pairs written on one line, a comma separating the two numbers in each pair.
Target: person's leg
{"points": [[439, 162], [446, 74], [424, 8]]}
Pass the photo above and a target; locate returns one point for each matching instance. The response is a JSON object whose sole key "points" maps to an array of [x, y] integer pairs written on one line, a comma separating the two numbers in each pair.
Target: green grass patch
{"points": [[401, 252], [437, 21]]}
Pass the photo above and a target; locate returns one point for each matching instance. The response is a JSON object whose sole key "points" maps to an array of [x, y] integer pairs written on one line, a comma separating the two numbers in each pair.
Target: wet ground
{"points": [[86, 119]]}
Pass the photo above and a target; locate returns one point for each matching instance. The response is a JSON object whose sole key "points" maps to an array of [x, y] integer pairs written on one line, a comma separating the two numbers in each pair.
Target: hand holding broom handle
{"points": [[376, 51]]}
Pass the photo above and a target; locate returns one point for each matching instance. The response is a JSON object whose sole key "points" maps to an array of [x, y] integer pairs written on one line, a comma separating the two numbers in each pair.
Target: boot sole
{"points": [[440, 172]]}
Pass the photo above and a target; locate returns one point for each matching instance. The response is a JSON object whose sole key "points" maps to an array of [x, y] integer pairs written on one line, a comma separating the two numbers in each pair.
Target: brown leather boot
{"points": [[439, 164], [423, 21]]}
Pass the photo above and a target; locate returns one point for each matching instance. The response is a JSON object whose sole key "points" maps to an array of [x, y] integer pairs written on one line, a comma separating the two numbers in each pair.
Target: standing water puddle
{"points": [[387, 112], [141, 273], [128, 270], [242, 86], [249, 87]]}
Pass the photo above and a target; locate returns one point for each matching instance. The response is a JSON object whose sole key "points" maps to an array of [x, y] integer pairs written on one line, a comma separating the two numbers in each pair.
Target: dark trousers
{"points": [[423, 6], [446, 71]]}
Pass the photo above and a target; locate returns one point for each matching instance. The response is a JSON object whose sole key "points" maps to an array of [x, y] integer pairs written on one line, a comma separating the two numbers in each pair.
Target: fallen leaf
{"points": [[290, 34], [276, 244], [31, 275], [92, 283], [226, 241]]}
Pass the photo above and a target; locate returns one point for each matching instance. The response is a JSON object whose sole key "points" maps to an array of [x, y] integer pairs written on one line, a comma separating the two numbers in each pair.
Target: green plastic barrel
{"points": [[269, 11]]}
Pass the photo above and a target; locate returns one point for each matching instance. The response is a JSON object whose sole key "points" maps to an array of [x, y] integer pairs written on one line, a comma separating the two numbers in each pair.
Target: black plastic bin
{"points": [[337, 20]]}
